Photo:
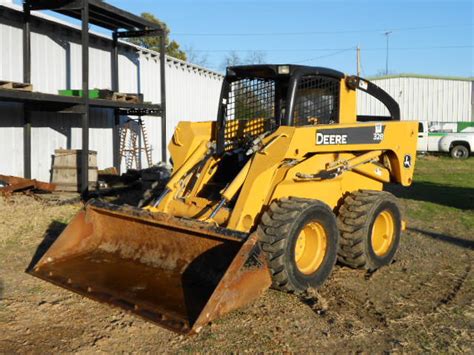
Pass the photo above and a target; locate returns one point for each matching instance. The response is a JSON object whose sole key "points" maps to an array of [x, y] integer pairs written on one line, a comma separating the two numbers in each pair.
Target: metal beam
{"points": [[27, 144], [26, 79], [115, 87], [140, 33], [116, 141], [108, 16], [163, 98], [140, 111], [85, 91], [55, 107], [54, 4]]}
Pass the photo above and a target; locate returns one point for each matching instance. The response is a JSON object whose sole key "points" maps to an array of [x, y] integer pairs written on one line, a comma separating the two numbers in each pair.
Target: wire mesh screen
{"points": [[250, 110], [251, 98], [316, 101]]}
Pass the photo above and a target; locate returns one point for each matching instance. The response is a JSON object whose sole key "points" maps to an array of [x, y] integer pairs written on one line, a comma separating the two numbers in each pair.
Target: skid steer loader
{"points": [[287, 180]]}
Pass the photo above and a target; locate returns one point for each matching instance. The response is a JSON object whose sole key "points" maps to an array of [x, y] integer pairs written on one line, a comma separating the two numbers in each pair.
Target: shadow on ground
{"points": [[460, 242], [451, 196], [52, 233]]}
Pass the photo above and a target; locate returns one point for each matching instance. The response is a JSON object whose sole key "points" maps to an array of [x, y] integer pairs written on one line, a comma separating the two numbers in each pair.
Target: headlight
{"points": [[283, 69]]}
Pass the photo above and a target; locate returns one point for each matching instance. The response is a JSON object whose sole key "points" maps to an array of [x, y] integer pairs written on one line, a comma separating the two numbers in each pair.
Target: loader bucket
{"points": [[178, 273]]}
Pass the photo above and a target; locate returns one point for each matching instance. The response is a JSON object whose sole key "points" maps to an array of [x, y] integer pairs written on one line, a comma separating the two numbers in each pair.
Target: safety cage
{"points": [[250, 110], [252, 106], [316, 101]]}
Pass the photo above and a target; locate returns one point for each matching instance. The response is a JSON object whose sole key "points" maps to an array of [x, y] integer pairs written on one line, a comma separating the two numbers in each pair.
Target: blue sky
{"points": [[428, 37]]}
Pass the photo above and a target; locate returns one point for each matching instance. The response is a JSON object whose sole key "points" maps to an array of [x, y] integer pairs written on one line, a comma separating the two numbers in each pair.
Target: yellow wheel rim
{"points": [[383, 232], [310, 248]]}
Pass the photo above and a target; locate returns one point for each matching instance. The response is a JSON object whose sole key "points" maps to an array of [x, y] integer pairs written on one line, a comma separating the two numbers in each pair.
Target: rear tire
{"points": [[300, 238], [370, 224], [459, 152]]}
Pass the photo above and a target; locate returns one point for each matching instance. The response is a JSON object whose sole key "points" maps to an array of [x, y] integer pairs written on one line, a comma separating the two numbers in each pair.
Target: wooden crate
{"points": [[11, 85], [120, 96], [66, 170]]}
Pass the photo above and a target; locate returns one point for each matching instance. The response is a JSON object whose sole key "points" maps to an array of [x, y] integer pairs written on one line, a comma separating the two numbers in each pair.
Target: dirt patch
{"points": [[423, 302]]}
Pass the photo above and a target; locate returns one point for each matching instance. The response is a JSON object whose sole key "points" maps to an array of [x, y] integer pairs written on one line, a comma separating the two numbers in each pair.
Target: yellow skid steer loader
{"points": [[287, 180]]}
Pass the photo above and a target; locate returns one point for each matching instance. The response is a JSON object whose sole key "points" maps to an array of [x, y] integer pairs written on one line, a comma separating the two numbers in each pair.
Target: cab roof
{"points": [[271, 71]]}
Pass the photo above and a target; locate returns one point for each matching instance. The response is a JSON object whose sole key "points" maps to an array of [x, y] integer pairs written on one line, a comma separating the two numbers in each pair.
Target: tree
{"points": [[251, 98], [256, 57], [201, 59], [233, 58], [153, 42]]}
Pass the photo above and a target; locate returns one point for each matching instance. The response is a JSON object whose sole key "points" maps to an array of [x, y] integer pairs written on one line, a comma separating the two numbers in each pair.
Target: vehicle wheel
{"points": [[300, 238], [459, 152], [370, 224]]}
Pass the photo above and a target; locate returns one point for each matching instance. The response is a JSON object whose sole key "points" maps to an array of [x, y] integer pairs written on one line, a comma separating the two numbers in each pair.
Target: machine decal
{"points": [[407, 161], [352, 135]]}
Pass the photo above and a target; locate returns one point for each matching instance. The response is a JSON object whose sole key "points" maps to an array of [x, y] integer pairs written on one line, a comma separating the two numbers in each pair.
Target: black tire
{"points": [[459, 152], [279, 230], [356, 220]]}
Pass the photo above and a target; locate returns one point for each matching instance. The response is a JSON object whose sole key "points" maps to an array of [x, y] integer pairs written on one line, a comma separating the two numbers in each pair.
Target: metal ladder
{"points": [[130, 149]]}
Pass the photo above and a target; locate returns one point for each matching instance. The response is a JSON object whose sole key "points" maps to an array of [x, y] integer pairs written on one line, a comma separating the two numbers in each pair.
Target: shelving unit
{"points": [[123, 25]]}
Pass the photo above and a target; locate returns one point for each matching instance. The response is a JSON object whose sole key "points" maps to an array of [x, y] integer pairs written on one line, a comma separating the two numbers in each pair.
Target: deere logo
{"points": [[323, 139]]}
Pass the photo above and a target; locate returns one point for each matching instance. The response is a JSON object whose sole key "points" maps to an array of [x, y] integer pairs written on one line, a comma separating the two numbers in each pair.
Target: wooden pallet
{"points": [[11, 85], [119, 96], [132, 98]]}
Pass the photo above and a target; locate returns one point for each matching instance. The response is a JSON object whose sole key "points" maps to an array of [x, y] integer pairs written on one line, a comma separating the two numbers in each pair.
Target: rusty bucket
{"points": [[178, 273]]}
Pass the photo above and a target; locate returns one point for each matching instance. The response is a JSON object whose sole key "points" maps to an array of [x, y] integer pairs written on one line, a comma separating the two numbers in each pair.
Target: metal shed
{"points": [[57, 65], [424, 98]]}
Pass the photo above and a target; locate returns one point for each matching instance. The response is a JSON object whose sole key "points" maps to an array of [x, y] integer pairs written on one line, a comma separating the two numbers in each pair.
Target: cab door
{"points": [[422, 144]]}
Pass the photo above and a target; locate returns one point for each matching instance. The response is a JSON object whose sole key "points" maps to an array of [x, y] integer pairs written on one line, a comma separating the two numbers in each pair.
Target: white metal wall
{"points": [[192, 91], [423, 99]]}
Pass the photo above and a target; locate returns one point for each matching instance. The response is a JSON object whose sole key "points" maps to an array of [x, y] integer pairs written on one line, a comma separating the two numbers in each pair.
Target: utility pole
{"points": [[387, 34], [358, 60]]}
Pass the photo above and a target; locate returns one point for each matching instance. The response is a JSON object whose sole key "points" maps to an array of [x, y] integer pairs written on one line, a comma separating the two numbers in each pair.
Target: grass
{"points": [[447, 171], [442, 193]]}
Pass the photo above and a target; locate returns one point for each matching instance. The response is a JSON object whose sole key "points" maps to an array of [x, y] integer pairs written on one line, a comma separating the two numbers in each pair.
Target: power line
{"points": [[326, 55], [379, 30], [330, 49]]}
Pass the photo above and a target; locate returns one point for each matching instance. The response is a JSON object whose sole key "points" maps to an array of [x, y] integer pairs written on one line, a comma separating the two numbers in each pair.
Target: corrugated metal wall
{"points": [[423, 99], [192, 92]]}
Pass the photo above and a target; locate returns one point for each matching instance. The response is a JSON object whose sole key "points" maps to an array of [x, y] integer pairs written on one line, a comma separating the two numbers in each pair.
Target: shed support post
{"points": [[115, 87], [84, 173], [163, 96], [26, 79]]}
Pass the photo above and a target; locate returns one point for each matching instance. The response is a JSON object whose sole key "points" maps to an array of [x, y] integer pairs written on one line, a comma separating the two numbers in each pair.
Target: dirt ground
{"points": [[423, 302]]}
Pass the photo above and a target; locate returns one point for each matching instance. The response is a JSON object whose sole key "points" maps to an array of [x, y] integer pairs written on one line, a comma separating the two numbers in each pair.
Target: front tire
{"points": [[459, 152], [300, 238], [370, 223]]}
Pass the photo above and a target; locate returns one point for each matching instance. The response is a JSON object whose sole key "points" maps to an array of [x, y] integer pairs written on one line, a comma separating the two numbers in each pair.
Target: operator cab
{"points": [[292, 95], [260, 98]]}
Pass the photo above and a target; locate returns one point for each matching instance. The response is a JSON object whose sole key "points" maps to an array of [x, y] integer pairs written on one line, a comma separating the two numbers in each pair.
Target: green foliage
{"points": [[172, 47], [253, 101]]}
